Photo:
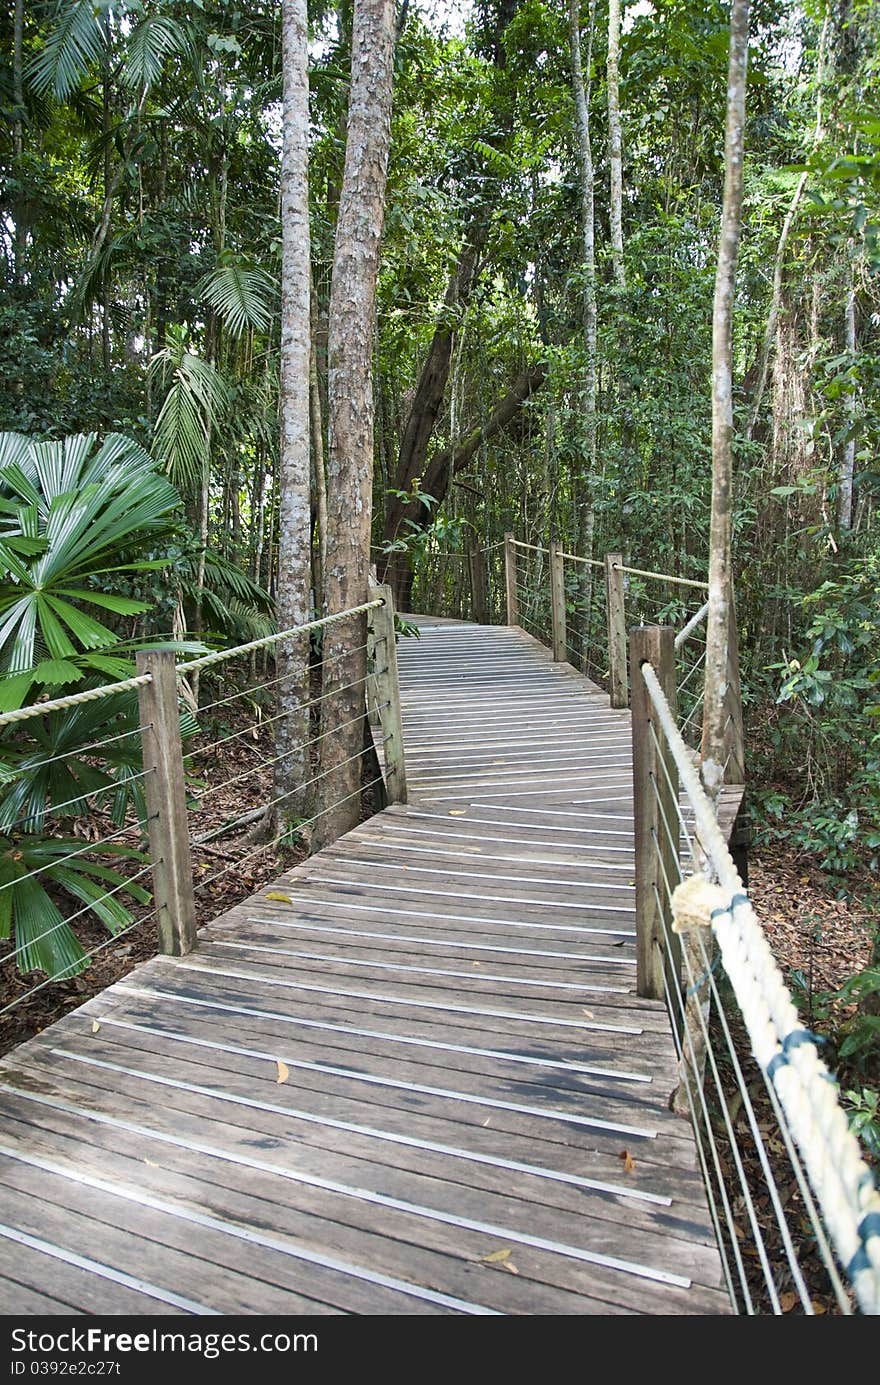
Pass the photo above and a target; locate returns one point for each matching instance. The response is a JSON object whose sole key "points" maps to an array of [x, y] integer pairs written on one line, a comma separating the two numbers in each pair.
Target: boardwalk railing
{"points": [[701, 948], [130, 769], [563, 601]]}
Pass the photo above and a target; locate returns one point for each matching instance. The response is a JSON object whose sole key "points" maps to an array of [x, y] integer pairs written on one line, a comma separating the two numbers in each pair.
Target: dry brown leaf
{"points": [[509, 1265], [498, 1256], [629, 1162], [283, 1071], [281, 898], [787, 1301], [589, 1014], [95, 1026], [819, 1308]]}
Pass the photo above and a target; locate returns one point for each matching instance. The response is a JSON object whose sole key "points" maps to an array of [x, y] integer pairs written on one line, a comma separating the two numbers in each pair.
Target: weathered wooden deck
{"points": [[474, 1118]]}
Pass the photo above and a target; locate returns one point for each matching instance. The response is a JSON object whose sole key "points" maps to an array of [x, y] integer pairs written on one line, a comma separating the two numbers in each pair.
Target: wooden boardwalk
{"points": [[472, 1115]]}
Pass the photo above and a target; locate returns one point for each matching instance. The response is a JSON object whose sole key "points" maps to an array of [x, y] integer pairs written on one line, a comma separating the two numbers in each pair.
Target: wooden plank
{"points": [[451, 1084]]}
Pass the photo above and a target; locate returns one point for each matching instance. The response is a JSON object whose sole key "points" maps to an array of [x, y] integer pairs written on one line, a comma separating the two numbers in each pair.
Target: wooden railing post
{"points": [[165, 794], [510, 580], [616, 608], [385, 692], [557, 604], [479, 586], [655, 796]]}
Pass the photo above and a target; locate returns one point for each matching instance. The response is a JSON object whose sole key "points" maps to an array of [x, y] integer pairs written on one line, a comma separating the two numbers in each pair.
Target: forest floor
{"points": [[819, 940]]}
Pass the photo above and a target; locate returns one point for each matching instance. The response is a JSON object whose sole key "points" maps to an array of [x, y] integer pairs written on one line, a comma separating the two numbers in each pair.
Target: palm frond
{"points": [[74, 43], [242, 294], [156, 38], [196, 399]]}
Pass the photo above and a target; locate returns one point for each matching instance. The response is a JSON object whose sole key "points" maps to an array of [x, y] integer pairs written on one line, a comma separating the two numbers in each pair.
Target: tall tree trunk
{"points": [[848, 457], [20, 238], [294, 510], [772, 323], [350, 398], [319, 474], [720, 568], [444, 465], [580, 76], [615, 142], [431, 388]]}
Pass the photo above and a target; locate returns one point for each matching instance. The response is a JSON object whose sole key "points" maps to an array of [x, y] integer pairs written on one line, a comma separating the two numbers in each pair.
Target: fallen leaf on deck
{"points": [[498, 1256], [509, 1265], [95, 1026], [282, 898], [589, 1014], [283, 1071], [629, 1162], [457, 812], [151, 1164]]}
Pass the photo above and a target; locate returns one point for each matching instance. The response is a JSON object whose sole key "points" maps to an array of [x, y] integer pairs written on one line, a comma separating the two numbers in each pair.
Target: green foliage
{"points": [[73, 514]]}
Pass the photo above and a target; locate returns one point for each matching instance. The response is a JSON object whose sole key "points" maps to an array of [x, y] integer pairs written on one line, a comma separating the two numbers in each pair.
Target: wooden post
{"points": [[386, 693], [616, 609], [510, 580], [653, 801], [165, 793], [557, 605], [479, 585]]}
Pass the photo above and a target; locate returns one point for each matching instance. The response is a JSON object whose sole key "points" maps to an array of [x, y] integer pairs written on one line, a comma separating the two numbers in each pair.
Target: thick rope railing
{"points": [[61, 704], [660, 576], [97, 872], [786, 1052]]}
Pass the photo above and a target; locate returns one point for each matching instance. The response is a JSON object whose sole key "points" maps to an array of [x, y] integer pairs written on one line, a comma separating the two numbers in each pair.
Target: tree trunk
{"points": [[720, 568], [294, 491], [444, 465], [319, 474], [580, 76], [779, 261], [848, 457], [431, 387], [20, 238], [615, 142], [350, 396]]}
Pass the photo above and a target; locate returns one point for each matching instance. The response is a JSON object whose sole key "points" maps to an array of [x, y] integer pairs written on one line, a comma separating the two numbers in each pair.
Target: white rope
{"points": [[60, 704], [687, 630], [208, 660], [661, 576], [783, 1048]]}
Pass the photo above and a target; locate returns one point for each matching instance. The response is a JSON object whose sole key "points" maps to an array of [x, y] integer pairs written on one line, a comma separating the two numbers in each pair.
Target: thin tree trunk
{"points": [[720, 569], [848, 458], [20, 239], [319, 474], [350, 393], [615, 142], [580, 75], [294, 490], [779, 260]]}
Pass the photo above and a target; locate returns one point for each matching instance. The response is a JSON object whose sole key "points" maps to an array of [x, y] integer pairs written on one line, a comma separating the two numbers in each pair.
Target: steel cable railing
{"points": [[773, 1140], [103, 876]]}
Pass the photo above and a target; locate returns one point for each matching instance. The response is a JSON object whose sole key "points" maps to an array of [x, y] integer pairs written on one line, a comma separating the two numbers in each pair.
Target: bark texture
{"points": [[294, 518], [720, 567], [350, 404], [615, 142]]}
